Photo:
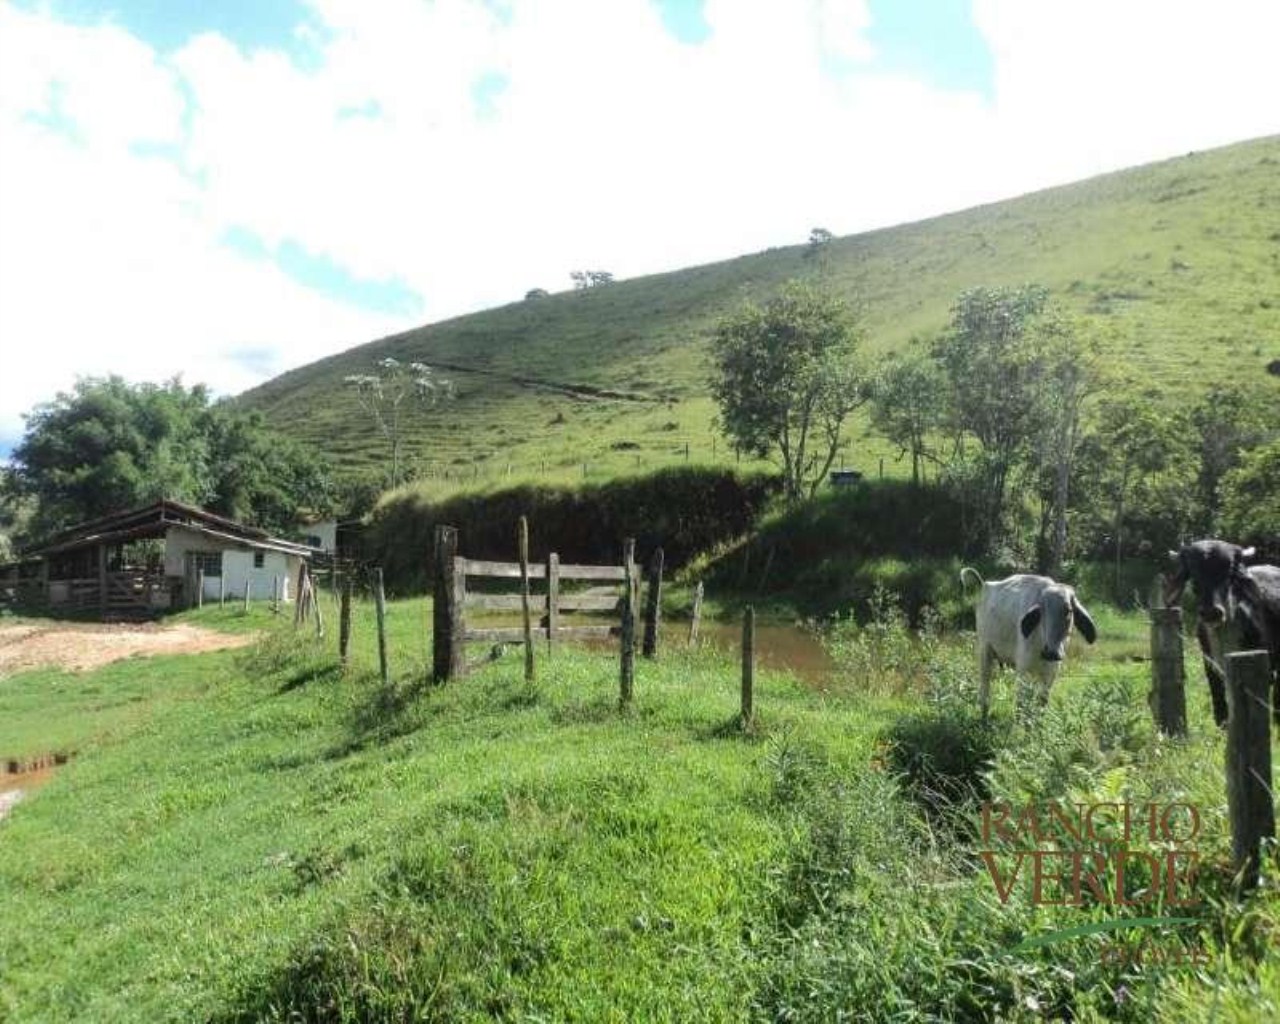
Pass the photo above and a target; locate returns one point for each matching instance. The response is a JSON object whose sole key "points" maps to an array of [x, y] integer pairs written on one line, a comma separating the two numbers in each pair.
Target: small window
{"points": [[313, 541], [210, 562], [259, 559]]}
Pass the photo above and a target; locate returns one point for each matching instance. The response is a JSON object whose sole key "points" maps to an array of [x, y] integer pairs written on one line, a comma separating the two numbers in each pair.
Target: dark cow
{"points": [[1237, 609]]}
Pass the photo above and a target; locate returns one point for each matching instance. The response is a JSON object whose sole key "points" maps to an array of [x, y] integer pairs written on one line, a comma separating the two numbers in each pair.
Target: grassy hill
{"points": [[1176, 263]]}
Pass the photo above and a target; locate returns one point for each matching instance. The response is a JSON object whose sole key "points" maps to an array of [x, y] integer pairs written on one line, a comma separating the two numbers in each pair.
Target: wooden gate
{"points": [[453, 599]]}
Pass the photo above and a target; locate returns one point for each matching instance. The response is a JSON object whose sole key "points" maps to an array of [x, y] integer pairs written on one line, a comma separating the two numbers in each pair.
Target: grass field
{"points": [[1175, 265], [261, 838]]}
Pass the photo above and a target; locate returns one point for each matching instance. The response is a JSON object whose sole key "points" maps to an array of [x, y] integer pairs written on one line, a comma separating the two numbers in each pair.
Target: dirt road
{"points": [[81, 646]]}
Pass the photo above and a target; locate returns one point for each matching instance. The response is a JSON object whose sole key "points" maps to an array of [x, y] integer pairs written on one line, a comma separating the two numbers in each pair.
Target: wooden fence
{"points": [[611, 592], [1250, 800]]}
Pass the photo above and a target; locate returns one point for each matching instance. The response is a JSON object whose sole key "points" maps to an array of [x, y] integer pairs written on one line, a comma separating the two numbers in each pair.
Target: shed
{"points": [[149, 560]]}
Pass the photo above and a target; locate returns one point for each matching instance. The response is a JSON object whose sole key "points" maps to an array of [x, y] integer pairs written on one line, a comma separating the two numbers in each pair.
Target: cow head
{"points": [[1058, 610], [1215, 570]]}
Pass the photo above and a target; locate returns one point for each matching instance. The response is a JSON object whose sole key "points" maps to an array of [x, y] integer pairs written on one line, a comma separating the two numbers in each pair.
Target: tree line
{"points": [[1052, 454]]}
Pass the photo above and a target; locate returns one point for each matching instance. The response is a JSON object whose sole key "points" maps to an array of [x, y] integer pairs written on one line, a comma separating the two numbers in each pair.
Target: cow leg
{"points": [[1217, 684]]}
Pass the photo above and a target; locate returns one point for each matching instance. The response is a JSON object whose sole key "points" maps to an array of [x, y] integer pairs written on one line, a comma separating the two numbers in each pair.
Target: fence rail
{"points": [[454, 600]]}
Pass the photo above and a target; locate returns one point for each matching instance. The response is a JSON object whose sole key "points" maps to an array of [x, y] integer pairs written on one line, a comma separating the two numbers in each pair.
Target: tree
{"points": [[1071, 376], [1251, 497], [786, 380], [993, 358], [907, 406], [1228, 420], [1134, 440], [536, 293], [108, 445], [383, 395]]}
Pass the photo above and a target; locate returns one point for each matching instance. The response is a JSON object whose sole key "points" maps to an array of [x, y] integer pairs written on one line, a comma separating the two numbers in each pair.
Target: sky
{"points": [[227, 190]]}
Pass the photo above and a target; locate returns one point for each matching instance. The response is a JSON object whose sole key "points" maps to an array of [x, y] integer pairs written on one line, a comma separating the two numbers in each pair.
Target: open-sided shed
{"points": [[149, 560]]}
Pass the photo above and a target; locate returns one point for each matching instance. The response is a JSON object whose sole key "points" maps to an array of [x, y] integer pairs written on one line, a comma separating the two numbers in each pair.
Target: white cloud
{"points": [[613, 145]]}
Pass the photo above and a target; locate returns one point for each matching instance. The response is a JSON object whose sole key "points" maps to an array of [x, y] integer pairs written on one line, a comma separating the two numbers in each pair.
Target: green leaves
{"points": [[786, 378]]}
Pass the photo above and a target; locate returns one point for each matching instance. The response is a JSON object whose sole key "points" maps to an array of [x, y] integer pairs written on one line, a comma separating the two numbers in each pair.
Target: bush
{"points": [[683, 510]]}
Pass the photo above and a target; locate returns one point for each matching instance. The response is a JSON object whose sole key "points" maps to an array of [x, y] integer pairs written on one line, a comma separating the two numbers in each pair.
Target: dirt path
{"points": [[81, 646]]}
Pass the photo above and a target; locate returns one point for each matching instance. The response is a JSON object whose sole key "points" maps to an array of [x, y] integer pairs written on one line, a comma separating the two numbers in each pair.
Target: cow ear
{"points": [[1030, 621], [1084, 620]]}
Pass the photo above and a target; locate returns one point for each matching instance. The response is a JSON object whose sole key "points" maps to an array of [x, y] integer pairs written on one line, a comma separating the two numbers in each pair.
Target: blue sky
{"points": [[229, 189]]}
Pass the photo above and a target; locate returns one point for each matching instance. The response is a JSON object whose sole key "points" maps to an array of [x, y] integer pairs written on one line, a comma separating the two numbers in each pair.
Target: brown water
{"points": [[780, 646], [784, 647]]}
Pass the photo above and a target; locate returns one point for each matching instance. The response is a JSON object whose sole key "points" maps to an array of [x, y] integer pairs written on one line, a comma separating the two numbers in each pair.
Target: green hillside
{"points": [[1177, 263]]}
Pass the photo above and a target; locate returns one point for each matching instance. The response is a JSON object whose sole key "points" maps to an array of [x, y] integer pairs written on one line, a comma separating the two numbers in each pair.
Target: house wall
{"points": [[237, 566], [325, 531]]}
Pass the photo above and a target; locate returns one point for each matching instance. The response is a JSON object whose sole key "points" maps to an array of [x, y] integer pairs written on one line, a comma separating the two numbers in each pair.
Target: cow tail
{"points": [[965, 573]]}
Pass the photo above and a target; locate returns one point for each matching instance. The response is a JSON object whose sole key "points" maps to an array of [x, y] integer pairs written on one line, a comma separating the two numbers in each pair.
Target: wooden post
{"points": [[102, 580], [553, 599], [315, 604], [653, 605], [275, 593], [696, 617], [748, 665], [447, 652], [344, 624], [301, 592], [248, 584], [199, 588], [380, 606], [627, 671], [1168, 697], [522, 538], [1249, 801]]}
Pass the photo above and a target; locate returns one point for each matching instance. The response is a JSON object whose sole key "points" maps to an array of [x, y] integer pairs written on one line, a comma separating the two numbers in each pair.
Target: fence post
{"points": [[696, 617], [553, 598], [522, 537], [248, 584], [748, 665], [1253, 816], [1168, 696], [300, 593], [199, 588], [344, 624], [275, 593], [627, 673], [448, 657], [653, 605], [314, 592], [380, 606]]}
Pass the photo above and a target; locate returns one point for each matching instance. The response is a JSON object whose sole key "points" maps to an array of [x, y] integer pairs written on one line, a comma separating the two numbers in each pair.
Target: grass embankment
{"points": [[267, 838], [1173, 263]]}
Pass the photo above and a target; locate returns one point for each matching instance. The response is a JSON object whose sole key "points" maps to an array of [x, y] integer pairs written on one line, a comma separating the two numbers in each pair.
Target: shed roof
{"points": [[155, 520]]}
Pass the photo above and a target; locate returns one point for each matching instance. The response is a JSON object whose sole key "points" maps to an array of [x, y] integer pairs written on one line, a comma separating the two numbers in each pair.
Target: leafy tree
{"points": [[907, 406], [384, 395], [1134, 456], [1228, 420], [993, 359], [108, 445], [537, 293], [786, 379], [1251, 496], [1070, 378]]}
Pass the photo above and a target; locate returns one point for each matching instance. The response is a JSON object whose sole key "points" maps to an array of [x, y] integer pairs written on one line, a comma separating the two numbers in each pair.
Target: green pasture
{"points": [[255, 835]]}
